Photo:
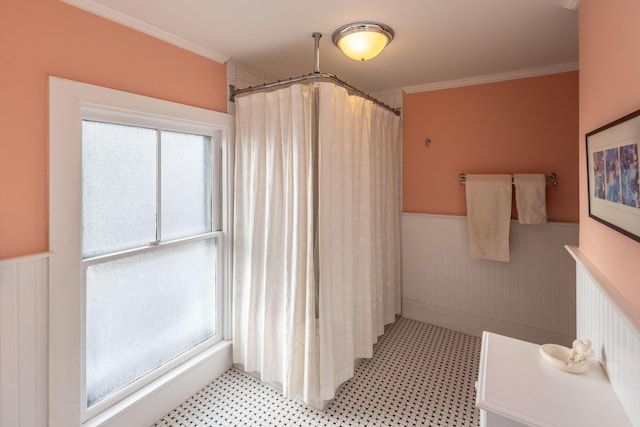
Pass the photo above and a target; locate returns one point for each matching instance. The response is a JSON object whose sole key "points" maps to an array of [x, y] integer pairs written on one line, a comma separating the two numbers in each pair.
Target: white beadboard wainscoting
{"points": [[24, 301], [612, 324], [24, 357], [530, 298]]}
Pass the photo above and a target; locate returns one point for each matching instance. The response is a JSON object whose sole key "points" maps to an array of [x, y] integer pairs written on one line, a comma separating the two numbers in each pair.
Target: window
{"points": [[149, 247], [139, 225]]}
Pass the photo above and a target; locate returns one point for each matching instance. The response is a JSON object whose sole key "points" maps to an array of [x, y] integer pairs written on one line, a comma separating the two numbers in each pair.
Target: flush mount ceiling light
{"points": [[362, 40]]}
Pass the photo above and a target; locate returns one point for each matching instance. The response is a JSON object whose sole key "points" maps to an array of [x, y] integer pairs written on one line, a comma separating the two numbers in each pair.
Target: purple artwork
{"points": [[613, 164], [629, 175]]}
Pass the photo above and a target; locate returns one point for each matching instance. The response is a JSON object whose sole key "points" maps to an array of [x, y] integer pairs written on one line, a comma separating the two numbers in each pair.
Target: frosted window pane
{"points": [[186, 184], [144, 310], [118, 187]]}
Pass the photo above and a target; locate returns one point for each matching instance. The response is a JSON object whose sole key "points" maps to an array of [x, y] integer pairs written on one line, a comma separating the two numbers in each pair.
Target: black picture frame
{"points": [[613, 177]]}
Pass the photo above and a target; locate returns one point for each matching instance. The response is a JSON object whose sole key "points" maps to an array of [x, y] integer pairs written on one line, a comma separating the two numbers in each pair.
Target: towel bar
{"points": [[551, 177]]}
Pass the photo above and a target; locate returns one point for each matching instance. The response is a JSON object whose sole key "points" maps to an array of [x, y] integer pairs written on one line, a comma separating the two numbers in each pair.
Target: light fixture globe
{"points": [[362, 40]]}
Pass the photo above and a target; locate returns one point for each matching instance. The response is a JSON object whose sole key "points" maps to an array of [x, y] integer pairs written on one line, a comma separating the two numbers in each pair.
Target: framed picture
{"points": [[614, 184]]}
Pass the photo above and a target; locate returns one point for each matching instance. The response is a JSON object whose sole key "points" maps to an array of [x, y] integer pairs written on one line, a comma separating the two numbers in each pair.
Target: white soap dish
{"points": [[559, 357]]}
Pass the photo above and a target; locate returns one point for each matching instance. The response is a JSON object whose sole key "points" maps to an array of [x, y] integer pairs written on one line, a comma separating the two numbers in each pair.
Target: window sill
{"points": [[150, 403]]}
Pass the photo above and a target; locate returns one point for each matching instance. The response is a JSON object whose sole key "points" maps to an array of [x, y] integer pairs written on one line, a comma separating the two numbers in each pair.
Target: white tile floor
{"points": [[420, 375]]}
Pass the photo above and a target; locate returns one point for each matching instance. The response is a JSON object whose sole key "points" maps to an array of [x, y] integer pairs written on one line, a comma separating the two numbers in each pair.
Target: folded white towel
{"points": [[530, 198], [489, 215]]}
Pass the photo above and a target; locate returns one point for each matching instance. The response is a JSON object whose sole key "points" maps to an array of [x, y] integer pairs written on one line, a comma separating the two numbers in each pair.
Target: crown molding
{"points": [[146, 28], [493, 78]]}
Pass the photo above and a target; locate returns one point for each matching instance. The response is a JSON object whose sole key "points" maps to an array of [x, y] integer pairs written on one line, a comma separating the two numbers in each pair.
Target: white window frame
{"points": [[70, 103]]}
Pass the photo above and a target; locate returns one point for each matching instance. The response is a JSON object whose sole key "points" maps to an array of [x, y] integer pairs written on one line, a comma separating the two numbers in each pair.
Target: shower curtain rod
{"points": [[233, 92]]}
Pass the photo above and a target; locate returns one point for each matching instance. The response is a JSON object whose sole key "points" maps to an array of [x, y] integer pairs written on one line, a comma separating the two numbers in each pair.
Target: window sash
{"points": [[147, 378], [161, 177]]}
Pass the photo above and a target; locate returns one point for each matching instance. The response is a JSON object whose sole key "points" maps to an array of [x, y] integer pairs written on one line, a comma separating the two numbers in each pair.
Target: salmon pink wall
{"points": [[519, 126], [39, 38], [609, 89]]}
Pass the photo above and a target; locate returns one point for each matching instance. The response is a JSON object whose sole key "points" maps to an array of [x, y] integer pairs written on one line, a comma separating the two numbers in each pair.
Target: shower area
{"points": [[316, 233]]}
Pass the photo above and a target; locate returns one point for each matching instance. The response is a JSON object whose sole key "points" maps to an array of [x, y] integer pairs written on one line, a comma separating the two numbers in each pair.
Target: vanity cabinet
{"points": [[517, 388]]}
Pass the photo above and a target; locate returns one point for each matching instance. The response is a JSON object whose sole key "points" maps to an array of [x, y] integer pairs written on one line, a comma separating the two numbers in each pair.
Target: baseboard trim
{"points": [[474, 324]]}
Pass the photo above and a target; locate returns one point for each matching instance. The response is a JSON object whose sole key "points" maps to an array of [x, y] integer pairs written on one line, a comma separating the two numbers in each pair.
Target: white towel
{"points": [[489, 216], [530, 198]]}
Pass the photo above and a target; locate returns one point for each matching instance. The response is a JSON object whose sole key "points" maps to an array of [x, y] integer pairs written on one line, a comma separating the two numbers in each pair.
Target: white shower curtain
{"points": [[277, 332]]}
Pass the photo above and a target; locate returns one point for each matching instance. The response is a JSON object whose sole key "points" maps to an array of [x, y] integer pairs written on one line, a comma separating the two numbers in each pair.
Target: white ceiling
{"points": [[435, 41]]}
